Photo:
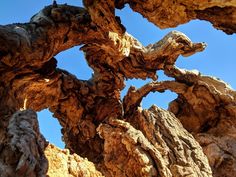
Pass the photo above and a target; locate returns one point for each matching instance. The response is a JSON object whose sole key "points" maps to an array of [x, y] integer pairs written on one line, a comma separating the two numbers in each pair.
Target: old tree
{"points": [[104, 135]]}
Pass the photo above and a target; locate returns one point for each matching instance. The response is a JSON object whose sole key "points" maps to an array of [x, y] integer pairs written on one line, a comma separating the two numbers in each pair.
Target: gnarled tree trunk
{"points": [[104, 135]]}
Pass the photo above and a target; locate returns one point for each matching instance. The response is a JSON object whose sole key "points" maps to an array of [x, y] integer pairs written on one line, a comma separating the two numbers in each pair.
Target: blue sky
{"points": [[217, 60]]}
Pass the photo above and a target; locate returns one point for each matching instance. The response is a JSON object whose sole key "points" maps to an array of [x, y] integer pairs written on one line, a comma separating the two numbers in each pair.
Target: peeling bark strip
{"points": [[110, 136]]}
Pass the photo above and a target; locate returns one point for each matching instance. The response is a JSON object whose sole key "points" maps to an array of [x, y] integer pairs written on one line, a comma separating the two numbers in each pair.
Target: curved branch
{"points": [[127, 58], [49, 32], [167, 14], [207, 109], [143, 62], [134, 97]]}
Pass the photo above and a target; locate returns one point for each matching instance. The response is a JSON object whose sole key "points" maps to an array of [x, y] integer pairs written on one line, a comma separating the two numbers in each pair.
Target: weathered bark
{"points": [[171, 13], [22, 149], [61, 163], [153, 144], [207, 109], [116, 136]]}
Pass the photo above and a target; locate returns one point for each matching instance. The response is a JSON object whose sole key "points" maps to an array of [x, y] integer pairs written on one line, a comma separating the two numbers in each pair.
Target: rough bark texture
{"points": [[61, 163], [22, 152], [171, 13], [104, 135]]}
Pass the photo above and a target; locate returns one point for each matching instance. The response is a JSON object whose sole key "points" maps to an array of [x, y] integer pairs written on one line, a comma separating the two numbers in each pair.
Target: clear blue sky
{"points": [[217, 60]]}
